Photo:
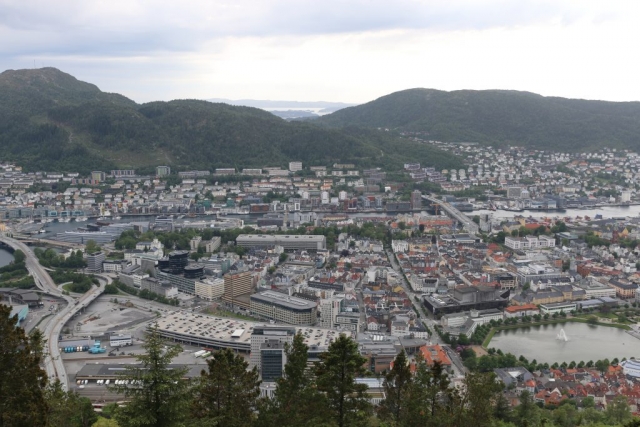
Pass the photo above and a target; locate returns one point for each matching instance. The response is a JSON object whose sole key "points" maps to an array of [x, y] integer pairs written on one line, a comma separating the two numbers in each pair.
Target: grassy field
{"points": [[67, 287]]}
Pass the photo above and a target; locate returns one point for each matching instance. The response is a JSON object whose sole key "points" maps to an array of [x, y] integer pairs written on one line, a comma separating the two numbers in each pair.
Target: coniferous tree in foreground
{"points": [[67, 408], [296, 400], [430, 395], [157, 395], [480, 392], [397, 386], [335, 375], [226, 393], [22, 380]]}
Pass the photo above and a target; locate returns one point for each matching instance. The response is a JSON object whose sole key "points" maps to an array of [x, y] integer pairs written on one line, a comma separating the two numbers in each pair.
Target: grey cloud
{"points": [[135, 27]]}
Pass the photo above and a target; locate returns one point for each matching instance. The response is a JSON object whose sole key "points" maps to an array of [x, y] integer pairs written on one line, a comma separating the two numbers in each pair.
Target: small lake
{"points": [[5, 257], [585, 342]]}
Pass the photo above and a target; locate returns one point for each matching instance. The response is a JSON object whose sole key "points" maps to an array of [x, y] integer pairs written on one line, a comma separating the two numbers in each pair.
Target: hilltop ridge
{"points": [[52, 121], [500, 117]]}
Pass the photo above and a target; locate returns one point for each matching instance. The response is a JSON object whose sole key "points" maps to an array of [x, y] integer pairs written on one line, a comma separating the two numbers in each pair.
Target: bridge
{"points": [[468, 224], [52, 361], [55, 243]]}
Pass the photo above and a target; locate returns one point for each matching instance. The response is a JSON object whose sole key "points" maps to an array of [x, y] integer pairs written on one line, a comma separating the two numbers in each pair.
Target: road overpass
{"points": [[468, 224], [48, 242], [53, 362]]}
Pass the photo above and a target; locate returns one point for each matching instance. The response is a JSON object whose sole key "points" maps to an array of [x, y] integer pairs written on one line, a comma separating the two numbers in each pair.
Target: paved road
{"points": [[417, 305], [53, 328], [459, 370]]}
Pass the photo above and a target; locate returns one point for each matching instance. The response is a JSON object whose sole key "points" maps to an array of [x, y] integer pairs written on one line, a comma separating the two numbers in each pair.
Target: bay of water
{"points": [[605, 211], [586, 342], [5, 257]]}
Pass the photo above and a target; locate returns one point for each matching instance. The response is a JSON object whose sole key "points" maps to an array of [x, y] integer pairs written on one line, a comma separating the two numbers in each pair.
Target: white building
{"points": [[631, 367], [399, 328], [560, 307], [329, 309], [209, 288], [262, 334], [120, 340], [529, 242], [151, 246], [399, 246], [295, 166], [112, 266]]}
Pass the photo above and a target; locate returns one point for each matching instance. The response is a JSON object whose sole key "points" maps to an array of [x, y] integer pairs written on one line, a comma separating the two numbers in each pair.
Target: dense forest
{"points": [[51, 121], [500, 117]]}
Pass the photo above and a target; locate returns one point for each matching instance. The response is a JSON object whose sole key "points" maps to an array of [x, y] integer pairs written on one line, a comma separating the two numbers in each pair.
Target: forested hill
{"points": [[500, 117], [51, 121]]}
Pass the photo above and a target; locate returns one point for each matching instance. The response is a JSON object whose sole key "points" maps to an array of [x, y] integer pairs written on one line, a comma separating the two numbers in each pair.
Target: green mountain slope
{"points": [[51, 121], [500, 117]]}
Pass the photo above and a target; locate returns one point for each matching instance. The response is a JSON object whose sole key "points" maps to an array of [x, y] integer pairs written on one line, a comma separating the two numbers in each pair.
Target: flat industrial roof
{"points": [[225, 332]]}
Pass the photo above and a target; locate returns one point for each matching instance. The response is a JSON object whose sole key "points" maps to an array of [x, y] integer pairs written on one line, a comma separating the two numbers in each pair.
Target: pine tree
{"points": [[227, 393], [502, 409], [68, 408], [480, 392], [296, 401], [397, 386], [336, 373], [527, 413], [22, 381], [157, 394]]}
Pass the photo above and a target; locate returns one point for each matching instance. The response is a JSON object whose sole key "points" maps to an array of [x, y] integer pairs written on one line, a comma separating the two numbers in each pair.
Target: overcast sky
{"points": [[332, 50]]}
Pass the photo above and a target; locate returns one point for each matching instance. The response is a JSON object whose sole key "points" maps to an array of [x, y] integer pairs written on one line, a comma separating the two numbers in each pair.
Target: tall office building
{"points": [[94, 262], [178, 260], [272, 360], [264, 333], [236, 285]]}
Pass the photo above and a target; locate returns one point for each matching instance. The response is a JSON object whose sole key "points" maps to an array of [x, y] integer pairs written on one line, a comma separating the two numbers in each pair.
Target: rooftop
{"points": [[215, 329]]}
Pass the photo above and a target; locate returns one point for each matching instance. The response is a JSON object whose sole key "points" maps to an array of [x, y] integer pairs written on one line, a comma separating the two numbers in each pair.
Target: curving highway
{"points": [[53, 362]]}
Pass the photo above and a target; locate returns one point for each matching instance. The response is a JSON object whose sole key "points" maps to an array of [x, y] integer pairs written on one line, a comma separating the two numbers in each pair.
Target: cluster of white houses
{"points": [[529, 242]]}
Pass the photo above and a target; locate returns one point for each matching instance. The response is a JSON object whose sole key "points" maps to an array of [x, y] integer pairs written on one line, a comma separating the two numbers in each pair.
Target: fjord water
{"points": [[585, 342]]}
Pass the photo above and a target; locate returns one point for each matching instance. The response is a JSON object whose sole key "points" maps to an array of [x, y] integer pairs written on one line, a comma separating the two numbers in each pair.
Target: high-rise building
{"points": [[262, 334], [94, 262], [236, 285], [272, 360], [178, 260], [329, 309]]}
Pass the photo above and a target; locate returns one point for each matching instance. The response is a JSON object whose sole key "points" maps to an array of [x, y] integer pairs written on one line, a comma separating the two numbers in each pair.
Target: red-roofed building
{"points": [[435, 353], [521, 310]]}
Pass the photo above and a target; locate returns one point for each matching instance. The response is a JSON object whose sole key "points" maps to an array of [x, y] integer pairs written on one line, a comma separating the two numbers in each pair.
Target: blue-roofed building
{"points": [[631, 367], [21, 311]]}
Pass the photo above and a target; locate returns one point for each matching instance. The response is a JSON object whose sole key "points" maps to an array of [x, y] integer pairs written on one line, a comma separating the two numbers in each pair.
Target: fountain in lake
{"points": [[562, 336]]}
